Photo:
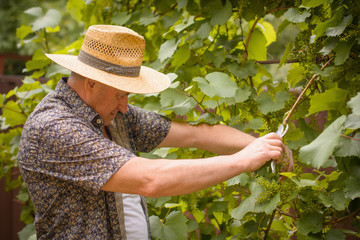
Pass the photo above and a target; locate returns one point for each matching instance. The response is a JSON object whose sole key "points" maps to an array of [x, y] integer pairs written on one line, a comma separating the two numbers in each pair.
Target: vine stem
{"points": [[355, 213], [355, 139], [303, 91], [254, 25], [249, 37], [269, 225]]}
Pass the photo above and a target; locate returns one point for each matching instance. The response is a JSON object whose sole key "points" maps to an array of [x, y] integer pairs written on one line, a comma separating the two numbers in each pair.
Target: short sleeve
{"points": [[74, 151], [147, 129]]}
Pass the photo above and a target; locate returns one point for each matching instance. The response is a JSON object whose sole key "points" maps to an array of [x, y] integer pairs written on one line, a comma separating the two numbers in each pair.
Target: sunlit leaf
{"points": [[332, 99], [222, 83], [268, 31], [13, 114], [23, 31], [257, 46], [75, 8], [313, 3]]}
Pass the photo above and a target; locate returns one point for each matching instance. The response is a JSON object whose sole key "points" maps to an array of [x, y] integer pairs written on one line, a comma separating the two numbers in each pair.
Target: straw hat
{"points": [[113, 56]]}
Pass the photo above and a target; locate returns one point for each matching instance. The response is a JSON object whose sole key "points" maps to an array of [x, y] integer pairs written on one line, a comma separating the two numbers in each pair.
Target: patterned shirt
{"points": [[65, 159]]}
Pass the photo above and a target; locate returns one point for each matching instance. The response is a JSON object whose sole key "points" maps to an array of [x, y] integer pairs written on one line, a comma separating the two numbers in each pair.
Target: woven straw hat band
{"points": [[116, 50]]}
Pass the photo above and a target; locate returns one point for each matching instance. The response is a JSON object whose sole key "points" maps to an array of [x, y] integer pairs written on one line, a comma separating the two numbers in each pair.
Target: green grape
{"points": [[271, 189]]}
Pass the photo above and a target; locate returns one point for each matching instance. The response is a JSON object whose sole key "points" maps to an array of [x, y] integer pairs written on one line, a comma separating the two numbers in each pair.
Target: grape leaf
{"points": [[335, 234], [121, 18], [13, 114], [167, 49], [181, 56], [287, 51], [203, 31], [268, 31], [268, 206], [352, 188], [342, 51], [348, 147], [267, 105], [332, 99], [243, 71], [336, 31], [248, 204], [354, 104], [173, 100], [295, 16], [205, 87], [296, 74], [222, 83], [75, 8], [338, 200], [173, 227], [241, 179], [257, 46], [313, 3], [50, 19], [321, 28], [352, 121], [311, 222], [34, 11], [220, 14], [23, 31], [318, 151], [27, 233]]}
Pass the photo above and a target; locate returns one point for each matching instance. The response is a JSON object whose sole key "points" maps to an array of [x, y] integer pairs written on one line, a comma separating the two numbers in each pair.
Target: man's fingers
{"points": [[272, 136]]}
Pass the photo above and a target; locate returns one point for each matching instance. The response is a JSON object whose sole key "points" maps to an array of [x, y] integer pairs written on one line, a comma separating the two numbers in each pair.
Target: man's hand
{"points": [[261, 150]]}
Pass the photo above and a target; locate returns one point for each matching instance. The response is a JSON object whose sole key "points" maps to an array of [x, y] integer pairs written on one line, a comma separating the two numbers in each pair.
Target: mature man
{"points": [[77, 153]]}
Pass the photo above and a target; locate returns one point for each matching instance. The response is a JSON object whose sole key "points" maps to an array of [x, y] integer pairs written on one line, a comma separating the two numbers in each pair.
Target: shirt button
{"points": [[98, 121]]}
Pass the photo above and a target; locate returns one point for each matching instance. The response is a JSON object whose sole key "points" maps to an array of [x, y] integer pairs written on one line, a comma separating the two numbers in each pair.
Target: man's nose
{"points": [[123, 104]]}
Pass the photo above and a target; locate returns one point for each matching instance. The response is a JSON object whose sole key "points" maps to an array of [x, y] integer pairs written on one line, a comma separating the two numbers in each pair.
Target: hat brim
{"points": [[148, 81]]}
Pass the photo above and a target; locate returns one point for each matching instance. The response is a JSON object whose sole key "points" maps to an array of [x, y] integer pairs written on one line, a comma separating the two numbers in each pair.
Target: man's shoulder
{"points": [[47, 111]]}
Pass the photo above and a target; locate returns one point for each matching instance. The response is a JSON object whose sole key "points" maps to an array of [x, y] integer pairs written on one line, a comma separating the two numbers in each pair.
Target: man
{"points": [[78, 148]]}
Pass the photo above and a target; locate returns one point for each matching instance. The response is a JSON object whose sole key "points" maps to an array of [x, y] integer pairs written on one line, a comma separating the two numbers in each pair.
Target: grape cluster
{"points": [[309, 200], [306, 53], [271, 189], [286, 188]]}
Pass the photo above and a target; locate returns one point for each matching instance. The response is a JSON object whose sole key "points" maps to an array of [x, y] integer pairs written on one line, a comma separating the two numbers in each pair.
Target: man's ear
{"points": [[89, 83]]}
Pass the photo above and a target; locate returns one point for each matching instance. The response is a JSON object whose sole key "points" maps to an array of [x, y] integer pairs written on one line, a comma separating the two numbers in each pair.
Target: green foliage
{"points": [[214, 51]]}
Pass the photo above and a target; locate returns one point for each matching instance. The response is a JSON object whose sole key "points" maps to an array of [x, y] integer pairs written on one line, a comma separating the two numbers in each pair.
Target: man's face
{"points": [[107, 101]]}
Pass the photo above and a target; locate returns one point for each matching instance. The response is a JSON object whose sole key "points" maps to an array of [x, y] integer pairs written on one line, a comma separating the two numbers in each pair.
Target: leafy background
{"points": [[238, 63]]}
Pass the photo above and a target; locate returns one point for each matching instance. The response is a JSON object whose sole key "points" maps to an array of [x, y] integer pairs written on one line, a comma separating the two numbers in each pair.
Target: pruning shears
{"points": [[281, 131]]}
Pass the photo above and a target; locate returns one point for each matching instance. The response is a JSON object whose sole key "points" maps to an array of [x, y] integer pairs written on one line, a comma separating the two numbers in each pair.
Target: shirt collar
{"points": [[73, 100]]}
